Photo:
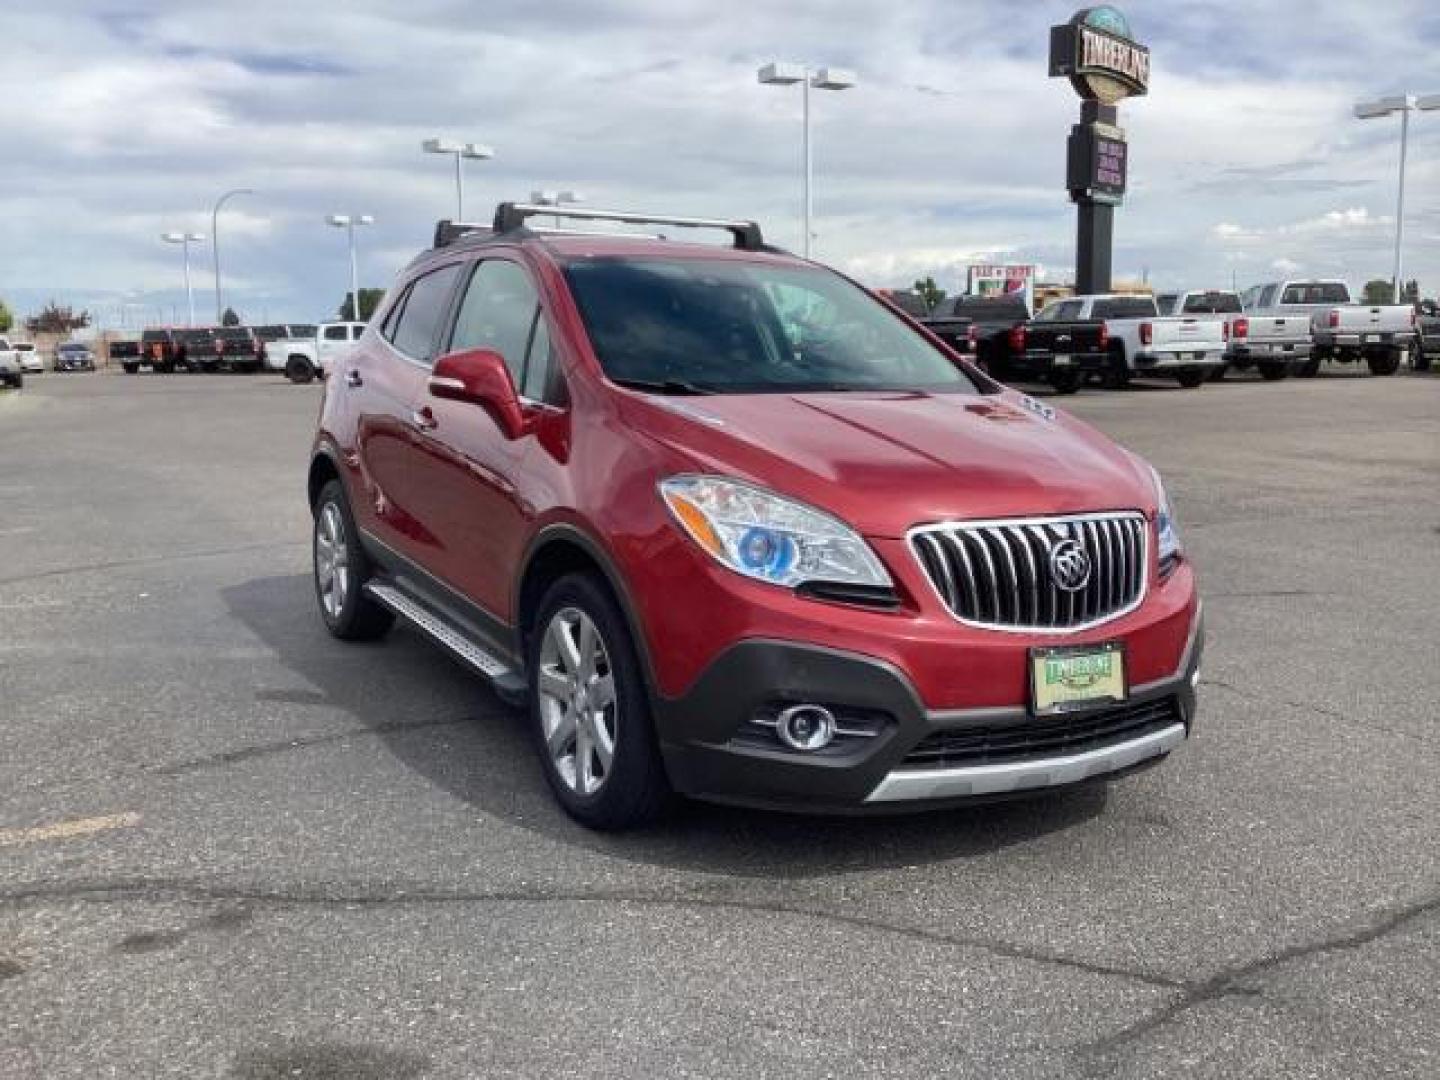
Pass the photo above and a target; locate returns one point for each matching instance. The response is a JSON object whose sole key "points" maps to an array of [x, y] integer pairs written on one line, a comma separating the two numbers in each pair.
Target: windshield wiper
{"points": [[665, 386]]}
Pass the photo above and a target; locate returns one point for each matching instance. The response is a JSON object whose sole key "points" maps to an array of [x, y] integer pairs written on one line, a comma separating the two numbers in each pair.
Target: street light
{"points": [[185, 239], [215, 246], [348, 223], [826, 78], [460, 151], [555, 198], [1404, 104]]}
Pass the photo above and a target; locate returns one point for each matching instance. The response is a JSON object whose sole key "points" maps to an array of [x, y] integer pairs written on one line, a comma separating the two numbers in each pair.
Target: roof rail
{"points": [[447, 231], [509, 216]]}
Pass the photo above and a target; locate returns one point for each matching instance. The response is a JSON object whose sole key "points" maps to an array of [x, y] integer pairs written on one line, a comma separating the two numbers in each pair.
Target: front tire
{"points": [[341, 570], [589, 709]]}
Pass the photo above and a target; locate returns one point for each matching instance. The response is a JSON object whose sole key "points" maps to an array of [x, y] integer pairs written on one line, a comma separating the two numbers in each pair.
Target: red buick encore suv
{"points": [[730, 526]]}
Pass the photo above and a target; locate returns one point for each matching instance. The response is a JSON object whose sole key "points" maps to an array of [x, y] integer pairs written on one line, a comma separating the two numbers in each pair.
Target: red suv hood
{"points": [[885, 462]]}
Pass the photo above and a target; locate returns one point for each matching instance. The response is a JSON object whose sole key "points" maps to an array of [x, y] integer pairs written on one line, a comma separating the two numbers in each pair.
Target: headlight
{"points": [[770, 538], [1165, 527]]}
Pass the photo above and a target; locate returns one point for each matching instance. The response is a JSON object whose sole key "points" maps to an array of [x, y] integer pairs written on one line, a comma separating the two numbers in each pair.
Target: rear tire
{"points": [[341, 569], [1218, 375], [298, 370], [1065, 382], [1386, 363], [590, 711], [1309, 369], [1190, 378], [131, 369], [1118, 375], [1274, 371]]}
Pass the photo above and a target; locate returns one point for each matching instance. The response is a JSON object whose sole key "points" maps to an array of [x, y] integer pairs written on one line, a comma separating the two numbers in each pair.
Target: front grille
{"points": [[998, 574], [1050, 736]]}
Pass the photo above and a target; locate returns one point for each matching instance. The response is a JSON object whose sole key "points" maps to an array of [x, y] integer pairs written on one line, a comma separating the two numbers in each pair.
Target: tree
{"points": [[1378, 292], [369, 301], [930, 292], [230, 318], [54, 319], [7, 320]]}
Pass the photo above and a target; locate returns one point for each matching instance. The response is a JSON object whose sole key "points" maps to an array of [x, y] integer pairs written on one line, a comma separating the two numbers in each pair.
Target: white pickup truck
{"points": [[303, 358], [1272, 344], [1141, 341], [11, 371], [1379, 334]]}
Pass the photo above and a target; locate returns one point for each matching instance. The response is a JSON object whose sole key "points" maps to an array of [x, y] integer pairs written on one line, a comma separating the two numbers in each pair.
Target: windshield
{"points": [[71, 348], [716, 326], [1321, 292]]}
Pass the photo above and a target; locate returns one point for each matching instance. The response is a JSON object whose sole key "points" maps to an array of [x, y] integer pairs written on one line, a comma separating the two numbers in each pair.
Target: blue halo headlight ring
{"points": [[766, 552]]}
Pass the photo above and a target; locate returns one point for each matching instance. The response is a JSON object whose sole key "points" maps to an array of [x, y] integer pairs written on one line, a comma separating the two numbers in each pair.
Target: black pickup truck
{"points": [[159, 349], [988, 328], [239, 348], [1061, 348]]}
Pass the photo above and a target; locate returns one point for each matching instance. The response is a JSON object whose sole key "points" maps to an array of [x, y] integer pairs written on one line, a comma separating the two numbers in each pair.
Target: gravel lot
{"points": [[232, 847]]}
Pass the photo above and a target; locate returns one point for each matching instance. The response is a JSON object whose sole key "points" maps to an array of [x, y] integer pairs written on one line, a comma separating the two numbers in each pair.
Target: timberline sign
{"points": [[1102, 60]]}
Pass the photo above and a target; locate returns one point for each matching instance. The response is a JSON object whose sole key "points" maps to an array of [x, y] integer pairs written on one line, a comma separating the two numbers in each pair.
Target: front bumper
{"points": [[717, 746]]}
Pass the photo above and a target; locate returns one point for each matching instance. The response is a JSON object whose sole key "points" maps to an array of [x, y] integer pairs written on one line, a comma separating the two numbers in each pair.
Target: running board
{"points": [[508, 684]]}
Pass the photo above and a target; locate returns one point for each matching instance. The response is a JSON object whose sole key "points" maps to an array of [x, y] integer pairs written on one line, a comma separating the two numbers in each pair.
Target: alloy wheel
{"points": [[578, 708], [332, 560]]}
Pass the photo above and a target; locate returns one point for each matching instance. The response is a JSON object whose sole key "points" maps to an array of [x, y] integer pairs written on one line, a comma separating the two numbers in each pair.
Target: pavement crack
{"points": [[285, 746], [150, 890], [152, 560], [1238, 981]]}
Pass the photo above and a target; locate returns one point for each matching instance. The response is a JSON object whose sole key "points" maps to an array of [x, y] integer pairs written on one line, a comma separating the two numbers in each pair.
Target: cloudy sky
{"points": [[122, 121]]}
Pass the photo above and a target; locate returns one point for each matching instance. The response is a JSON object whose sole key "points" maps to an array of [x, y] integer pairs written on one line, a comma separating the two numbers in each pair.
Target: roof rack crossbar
{"points": [[510, 216], [447, 231]]}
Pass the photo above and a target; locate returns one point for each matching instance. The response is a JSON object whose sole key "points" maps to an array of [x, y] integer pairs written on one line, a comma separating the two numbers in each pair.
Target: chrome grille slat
{"points": [[997, 574]]}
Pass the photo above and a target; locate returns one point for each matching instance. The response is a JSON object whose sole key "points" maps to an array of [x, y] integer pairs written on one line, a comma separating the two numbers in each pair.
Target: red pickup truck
{"points": [[731, 527]]}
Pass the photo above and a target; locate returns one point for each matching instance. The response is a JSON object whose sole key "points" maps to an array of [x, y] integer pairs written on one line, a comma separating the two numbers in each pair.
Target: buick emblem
{"points": [[1069, 565]]}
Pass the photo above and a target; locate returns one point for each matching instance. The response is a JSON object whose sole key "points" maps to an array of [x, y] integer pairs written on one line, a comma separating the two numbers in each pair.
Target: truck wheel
{"points": [[1190, 378], [298, 370], [1065, 382], [1117, 376], [131, 369], [1420, 359], [341, 570], [1384, 363], [1274, 370], [589, 710], [1309, 369], [1221, 370]]}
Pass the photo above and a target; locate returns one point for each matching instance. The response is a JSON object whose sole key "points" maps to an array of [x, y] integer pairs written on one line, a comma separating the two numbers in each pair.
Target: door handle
{"points": [[353, 379], [424, 419]]}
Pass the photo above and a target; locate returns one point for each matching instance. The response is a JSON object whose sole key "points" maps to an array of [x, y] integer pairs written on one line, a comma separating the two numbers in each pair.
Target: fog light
{"points": [[805, 727]]}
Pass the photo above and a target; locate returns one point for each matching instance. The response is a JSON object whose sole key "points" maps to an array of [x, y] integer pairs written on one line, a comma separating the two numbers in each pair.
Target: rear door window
{"points": [[419, 322], [334, 333], [1323, 292], [1124, 307], [1212, 303]]}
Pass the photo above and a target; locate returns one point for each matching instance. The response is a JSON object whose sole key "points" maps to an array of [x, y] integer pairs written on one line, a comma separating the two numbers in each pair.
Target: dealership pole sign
{"points": [[1098, 53]]}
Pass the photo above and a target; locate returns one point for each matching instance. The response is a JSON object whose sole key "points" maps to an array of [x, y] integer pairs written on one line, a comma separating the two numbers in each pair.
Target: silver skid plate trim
{"points": [[906, 784], [437, 628]]}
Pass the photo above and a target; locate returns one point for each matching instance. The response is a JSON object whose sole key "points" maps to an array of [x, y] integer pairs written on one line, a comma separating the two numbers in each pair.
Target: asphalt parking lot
{"points": [[233, 847]]}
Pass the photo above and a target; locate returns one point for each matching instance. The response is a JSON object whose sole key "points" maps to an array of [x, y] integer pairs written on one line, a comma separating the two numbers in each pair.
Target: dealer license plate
{"points": [[1062, 358], [1067, 678]]}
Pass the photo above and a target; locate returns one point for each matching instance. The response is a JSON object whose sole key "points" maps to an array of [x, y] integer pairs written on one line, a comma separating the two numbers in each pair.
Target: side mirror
{"points": [[480, 377]]}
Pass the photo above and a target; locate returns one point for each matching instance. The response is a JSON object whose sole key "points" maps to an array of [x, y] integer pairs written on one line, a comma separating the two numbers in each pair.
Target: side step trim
{"points": [[509, 684]]}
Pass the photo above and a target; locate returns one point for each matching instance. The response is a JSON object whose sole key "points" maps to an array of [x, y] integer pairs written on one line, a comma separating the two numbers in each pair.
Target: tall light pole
{"points": [[348, 223], [1404, 104], [825, 78], [215, 246], [460, 151], [185, 239], [555, 198]]}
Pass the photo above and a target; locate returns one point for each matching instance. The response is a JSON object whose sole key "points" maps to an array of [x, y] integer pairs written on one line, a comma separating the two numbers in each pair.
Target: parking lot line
{"points": [[67, 830]]}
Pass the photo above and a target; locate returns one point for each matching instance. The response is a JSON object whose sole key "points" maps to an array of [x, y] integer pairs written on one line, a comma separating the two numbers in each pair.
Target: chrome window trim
{"points": [[1041, 524]]}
